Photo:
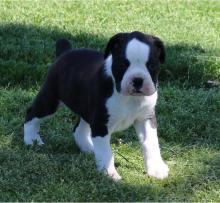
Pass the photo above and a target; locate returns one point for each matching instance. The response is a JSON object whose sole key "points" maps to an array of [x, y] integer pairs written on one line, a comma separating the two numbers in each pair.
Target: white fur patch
{"points": [[82, 136], [31, 132], [104, 157], [124, 110], [152, 159], [137, 52]]}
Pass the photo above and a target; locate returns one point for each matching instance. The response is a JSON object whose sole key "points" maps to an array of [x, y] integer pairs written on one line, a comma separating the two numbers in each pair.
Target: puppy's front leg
{"points": [[104, 157], [147, 133]]}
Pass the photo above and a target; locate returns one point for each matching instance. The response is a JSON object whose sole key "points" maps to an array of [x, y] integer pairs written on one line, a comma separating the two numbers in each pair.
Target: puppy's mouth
{"points": [[138, 93]]}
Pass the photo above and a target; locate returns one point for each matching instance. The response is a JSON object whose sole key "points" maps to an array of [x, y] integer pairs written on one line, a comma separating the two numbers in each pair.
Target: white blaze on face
{"points": [[137, 53]]}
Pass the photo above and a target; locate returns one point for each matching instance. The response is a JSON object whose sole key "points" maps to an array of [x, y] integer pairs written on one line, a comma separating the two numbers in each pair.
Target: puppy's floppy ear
{"points": [[113, 44], [161, 49]]}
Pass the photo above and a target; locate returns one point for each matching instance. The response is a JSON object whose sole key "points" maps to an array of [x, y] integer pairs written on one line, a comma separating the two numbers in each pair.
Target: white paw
{"points": [[114, 175], [157, 169], [29, 140]]}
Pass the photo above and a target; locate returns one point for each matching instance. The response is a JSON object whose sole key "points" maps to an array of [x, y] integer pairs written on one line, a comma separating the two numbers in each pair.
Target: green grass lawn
{"points": [[188, 113]]}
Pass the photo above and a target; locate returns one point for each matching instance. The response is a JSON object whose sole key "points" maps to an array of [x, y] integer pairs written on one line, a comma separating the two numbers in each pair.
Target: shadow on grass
{"points": [[26, 51], [190, 64]]}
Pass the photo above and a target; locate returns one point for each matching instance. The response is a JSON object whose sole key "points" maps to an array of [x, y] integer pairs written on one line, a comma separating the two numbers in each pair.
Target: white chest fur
{"points": [[124, 110]]}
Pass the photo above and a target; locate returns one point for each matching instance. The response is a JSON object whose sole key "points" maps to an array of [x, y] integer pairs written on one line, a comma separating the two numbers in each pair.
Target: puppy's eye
{"points": [[151, 64], [123, 63], [148, 65], [126, 63]]}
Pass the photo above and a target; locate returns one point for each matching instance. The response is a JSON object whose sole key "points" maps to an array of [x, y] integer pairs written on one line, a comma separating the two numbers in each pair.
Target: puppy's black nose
{"points": [[137, 83]]}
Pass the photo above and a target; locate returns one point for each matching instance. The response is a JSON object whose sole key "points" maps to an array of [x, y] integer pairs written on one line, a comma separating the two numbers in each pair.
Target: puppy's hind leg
{"points": [[82, 136], [45, 104], [31, 132]]}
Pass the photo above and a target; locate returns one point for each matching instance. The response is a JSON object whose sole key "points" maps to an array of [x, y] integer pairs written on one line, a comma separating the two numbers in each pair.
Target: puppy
{"points": [[109, 93]]}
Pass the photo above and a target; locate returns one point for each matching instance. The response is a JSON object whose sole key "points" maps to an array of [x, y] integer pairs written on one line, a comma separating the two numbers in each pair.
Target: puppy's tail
{"points": [[62, 45]]}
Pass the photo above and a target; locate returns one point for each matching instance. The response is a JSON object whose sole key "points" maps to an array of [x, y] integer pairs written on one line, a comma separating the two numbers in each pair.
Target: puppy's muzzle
{"points": [[138, 86], [143, 87]]}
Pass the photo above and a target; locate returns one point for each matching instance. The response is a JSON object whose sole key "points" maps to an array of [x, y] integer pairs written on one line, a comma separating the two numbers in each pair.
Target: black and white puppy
{"points": [[109, 92]]}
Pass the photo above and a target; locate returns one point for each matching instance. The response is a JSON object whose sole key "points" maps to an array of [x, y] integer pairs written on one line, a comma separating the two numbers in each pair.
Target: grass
{"points": [[188, 113]]}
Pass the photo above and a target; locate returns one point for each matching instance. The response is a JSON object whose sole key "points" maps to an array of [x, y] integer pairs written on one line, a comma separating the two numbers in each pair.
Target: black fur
{"points": [[77, 79]]}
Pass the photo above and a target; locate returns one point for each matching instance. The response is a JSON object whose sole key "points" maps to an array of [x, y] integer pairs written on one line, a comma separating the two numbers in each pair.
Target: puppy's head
{"points": [[135, 59]]}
